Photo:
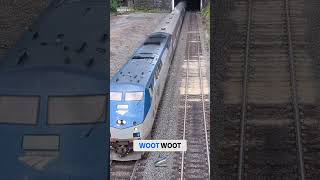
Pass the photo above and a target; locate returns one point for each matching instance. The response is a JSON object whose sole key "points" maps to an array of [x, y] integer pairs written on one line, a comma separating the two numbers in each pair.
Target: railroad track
{"points": [[307, 70], [124, 170], [269, 103], [194, 163], [272, 144]]}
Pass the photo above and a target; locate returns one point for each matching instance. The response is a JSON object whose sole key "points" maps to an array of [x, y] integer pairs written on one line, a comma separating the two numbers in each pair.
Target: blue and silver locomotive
{"points": [[53, 97], [136, 89]]}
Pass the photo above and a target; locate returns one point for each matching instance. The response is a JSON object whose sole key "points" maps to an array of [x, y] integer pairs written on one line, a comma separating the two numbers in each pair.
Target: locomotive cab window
{"points": [[115, 96], [19, 109], [133, 96], [76, 109]]}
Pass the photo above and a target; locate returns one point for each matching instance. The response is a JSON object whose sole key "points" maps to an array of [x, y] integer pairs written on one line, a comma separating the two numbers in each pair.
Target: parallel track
{"points": [[195, 162], [253, 165], [258, 164], [123, 170], [265, 98], [307, 85]]}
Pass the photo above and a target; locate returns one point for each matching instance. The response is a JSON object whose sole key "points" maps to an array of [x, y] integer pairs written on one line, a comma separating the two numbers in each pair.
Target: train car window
{"points": [[76, 109], [169, 43], [174, 40], [115, 96], [164, 56], [133, 96], [151, 89], [157, 72], [160, 64], [19, 109], [176, 32]]}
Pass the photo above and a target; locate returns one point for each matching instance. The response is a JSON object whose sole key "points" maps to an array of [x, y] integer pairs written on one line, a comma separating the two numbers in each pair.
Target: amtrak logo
{"points": [[122, 109], [38, 160], [121, 112]]}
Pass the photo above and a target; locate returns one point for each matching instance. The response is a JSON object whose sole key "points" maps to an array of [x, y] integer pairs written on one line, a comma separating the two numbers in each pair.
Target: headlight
{"points": [[121, 122], [135, 129]]}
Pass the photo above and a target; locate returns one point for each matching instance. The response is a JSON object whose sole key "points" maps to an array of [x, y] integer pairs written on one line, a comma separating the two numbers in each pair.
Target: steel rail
{"points": [[244, 94], [185, 112], [133, 169], [132, 176], [204, 110], [294, 93]]}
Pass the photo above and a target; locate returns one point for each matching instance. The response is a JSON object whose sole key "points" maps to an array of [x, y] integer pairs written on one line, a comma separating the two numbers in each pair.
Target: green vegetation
{"points": [[114, 5], [206, 12]]}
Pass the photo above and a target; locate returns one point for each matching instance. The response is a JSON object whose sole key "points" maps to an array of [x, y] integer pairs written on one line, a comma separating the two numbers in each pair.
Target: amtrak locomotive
{"points": [[53, 98], [136, 89]]}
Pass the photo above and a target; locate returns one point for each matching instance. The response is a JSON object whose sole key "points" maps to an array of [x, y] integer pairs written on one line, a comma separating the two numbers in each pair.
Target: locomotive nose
{"points": [[125, 116], [126, 109]]}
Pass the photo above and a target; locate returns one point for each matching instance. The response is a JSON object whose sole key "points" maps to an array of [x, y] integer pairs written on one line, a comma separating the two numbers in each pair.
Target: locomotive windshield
{"points": [[134, 96], [115, 96], [129, 96], [19, 109], [76, 109]]}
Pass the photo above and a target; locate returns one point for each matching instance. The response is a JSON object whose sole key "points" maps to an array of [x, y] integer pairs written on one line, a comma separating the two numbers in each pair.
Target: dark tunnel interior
{"points": [[192, 5]]}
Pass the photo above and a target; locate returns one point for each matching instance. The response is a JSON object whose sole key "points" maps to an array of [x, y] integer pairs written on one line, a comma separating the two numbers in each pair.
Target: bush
{"points": [[114, 5], [206, 11]]}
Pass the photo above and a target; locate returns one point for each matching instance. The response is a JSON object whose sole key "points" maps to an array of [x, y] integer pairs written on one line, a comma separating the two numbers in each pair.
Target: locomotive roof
{"points": [[50, 81], [141, 65], [54, 38]]}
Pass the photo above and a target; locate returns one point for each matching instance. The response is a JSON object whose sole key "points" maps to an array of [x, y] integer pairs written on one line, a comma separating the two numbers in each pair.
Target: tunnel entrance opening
{"points": [[192, 5]]}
